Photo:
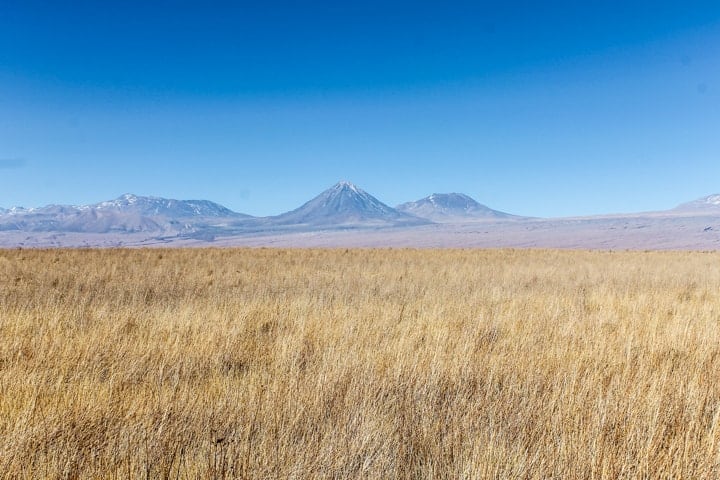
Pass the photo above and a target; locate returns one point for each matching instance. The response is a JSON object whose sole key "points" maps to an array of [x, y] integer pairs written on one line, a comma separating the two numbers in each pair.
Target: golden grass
{"points": [[359, 364]]}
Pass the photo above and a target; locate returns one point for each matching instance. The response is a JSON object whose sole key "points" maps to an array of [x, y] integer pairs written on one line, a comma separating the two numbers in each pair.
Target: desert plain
{"points": [[359, 363]]}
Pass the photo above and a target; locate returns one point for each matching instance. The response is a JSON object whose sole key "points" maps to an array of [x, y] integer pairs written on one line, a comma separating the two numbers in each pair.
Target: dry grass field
{"points": [[359, 364]]}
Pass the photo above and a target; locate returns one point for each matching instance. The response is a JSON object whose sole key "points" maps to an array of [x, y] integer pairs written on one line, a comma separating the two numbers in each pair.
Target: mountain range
{"points": [[342, 207]]}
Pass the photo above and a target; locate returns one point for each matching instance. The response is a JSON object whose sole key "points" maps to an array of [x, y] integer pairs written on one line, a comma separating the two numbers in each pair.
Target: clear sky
{"points": [[536, 108]]}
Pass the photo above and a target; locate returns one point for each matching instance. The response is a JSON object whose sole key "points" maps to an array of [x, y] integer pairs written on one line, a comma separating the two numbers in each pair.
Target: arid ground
{"points": [[360, 363]]}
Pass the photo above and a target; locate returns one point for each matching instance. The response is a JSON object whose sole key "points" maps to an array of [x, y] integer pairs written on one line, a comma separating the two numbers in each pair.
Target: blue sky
{"points": [[552, 109]]}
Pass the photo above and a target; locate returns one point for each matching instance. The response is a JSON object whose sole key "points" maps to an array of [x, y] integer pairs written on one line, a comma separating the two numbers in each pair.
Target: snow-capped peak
{"points": [[344, 184], [123, 200], [130, 198]]}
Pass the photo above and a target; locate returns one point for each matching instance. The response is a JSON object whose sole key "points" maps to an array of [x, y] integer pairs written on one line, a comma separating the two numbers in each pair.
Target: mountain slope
{"points": [[451, 208], [710, 204], [342, 205], [48, 219]]}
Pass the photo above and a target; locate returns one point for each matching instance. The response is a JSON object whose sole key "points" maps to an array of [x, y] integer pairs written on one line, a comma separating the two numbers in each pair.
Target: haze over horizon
{"points": [[543, 111]]}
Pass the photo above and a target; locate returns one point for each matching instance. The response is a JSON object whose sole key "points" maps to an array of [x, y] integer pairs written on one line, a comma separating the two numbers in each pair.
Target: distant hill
{"points": [[451, 208], [345, 204]]}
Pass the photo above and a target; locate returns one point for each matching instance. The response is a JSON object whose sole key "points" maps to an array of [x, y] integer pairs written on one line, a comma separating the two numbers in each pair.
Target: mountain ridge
{"points": [[128, 213], [153, 206]]}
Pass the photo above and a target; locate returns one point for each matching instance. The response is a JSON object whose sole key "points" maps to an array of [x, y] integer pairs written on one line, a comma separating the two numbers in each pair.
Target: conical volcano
{"points": [[345, 204]]}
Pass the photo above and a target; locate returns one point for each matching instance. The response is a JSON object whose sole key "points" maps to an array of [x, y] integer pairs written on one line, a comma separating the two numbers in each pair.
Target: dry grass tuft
{"points": [[359, 364]]}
